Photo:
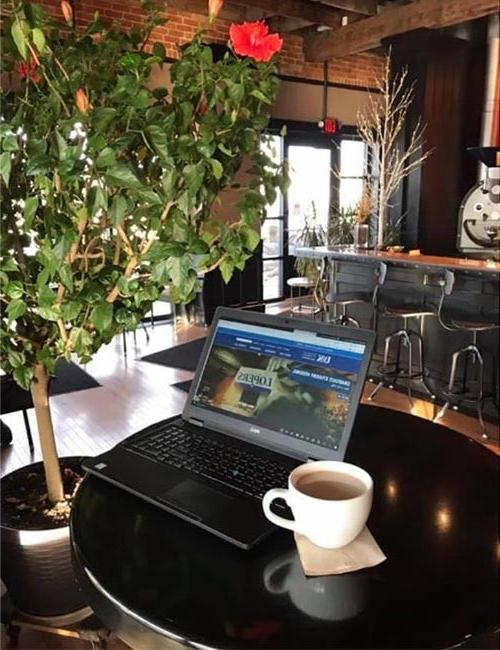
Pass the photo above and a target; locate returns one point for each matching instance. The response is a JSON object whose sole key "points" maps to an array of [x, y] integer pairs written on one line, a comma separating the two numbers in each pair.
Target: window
{"points": [[352, 165], [313, 193], [272, 232]]}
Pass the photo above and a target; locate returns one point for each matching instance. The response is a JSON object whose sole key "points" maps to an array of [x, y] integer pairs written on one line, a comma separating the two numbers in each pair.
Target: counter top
{"points": [[347, 253]]}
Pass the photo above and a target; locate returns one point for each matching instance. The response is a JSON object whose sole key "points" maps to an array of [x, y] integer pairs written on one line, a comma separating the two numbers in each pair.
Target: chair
{"points": [[343, 299], [296, 305], [392, 371], [455, 320]]}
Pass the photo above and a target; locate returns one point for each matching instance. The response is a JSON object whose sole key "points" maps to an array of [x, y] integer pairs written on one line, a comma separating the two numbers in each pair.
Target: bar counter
{"points": [[416, 279], [423, 262]]}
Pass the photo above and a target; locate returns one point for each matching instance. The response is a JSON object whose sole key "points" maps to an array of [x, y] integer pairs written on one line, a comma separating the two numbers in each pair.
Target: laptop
{"points": [[269, 393]]}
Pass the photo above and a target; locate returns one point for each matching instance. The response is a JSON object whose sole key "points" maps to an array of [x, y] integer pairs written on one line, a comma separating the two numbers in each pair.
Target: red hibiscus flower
{"points": [[29, 70], [254, 40]]}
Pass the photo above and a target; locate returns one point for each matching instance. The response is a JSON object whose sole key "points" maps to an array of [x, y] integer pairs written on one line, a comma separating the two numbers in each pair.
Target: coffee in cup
{"points": [[330, 502]]}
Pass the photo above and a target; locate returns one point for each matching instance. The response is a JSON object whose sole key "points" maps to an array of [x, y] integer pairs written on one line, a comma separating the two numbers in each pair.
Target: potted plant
{"points": [[362, 213], [312, 234], [393, 154], [108, 188]]}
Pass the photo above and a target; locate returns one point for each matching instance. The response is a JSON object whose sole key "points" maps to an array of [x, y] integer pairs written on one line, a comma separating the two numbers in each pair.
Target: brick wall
{"points": [[360, 70]]}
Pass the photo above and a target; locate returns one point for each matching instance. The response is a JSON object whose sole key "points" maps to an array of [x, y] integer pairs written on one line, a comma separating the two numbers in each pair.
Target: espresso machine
{"points": [[479, 214]]}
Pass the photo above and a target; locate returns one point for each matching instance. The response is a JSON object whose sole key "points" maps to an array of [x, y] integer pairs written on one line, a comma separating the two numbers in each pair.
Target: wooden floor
{"points": [[134, 394]]}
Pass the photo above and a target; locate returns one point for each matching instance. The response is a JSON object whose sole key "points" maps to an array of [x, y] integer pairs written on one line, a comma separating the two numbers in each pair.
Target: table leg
{"points": [[28, 431]]}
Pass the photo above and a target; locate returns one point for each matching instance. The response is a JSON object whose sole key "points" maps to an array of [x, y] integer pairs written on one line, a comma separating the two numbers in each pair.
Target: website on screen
{"points": [[293, 382]]}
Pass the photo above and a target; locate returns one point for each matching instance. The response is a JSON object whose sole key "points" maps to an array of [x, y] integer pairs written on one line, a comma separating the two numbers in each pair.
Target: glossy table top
{"points": [[150, 575], [436, 262]]}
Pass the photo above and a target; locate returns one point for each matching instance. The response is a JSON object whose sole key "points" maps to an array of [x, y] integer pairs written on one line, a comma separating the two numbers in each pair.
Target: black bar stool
{"points": [[465, 389], [414, 369], [332, 301]]}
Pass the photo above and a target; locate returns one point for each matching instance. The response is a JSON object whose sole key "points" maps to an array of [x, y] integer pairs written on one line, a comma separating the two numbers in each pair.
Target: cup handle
{"points": [[269, 497], [273, 568]]}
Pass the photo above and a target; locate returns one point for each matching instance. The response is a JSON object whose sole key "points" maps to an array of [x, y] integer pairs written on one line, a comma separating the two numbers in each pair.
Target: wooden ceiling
{"points": [[337, 28]]}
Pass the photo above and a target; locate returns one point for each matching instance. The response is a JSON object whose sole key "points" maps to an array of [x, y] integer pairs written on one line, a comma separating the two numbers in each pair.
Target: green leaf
{"points": [[30, 208], [131, 61], [19, 37], [106, 158], [70, 310], [9, 264], [226, 268], [102, 316], [217, 168], [159, 50], [250, 237], [118, 209], [97, 200], [157, 137], [10, 143], [38, 39], [160, 273], [225, 150], [178, 268], [5, 166], [23, 376], [123, 176], [16, 359], [14, 289], [148, 196], [66, 276], [168, 183], [15, 310], [102, 117]]}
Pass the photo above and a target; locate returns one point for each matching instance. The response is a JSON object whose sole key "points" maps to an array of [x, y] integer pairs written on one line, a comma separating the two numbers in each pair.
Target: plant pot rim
{"points": [[31, 536]]}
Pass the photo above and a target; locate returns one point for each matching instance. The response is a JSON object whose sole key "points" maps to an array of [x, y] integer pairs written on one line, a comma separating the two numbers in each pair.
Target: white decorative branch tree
{"points": [[381, 125]]}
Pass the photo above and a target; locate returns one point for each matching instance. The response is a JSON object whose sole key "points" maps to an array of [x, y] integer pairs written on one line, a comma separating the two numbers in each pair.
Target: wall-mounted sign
{"points": [[329, 125]]}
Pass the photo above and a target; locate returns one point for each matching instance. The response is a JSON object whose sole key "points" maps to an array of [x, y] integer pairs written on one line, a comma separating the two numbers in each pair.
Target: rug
{"points": [[183, 357], [183, 385], [69, 378]]}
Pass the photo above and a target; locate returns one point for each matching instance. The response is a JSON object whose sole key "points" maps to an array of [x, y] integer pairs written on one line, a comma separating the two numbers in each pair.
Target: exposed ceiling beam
{"points": [[366, 7], [286, 25], [229, 12], [313, 12], [368, 33]]}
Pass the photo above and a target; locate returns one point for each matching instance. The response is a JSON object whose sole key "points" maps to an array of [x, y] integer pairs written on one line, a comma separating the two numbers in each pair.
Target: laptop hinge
{"points": [[198, 423]]}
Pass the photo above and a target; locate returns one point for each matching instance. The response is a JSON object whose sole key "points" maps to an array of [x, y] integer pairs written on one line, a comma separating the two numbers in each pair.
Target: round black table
{"points": [[151, 576]]}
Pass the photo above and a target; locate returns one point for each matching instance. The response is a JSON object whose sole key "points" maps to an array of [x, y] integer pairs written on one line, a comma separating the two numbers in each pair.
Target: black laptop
{"points": [[269, 393]]}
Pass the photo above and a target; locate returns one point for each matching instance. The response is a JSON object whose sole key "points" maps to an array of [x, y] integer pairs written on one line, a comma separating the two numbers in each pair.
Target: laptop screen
{"points": [[295, 382]]}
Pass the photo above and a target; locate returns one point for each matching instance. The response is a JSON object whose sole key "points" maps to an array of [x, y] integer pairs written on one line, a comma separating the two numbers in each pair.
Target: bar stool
{"points": [[414, 369], [301, 284], [343, 299], [457, 321]]}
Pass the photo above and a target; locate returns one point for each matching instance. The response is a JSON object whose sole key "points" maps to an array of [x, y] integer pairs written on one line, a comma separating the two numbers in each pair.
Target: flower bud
{"points": [[67, 11], [82, 101], [214, 7]]}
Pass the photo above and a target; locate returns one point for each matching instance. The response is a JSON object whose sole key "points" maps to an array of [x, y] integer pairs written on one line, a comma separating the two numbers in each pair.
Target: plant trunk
{"points": [[40, 395], [382, 217]]}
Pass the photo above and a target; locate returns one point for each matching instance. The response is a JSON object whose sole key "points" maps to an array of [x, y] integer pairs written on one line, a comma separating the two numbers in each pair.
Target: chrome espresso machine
{"points": [[479, 214]]}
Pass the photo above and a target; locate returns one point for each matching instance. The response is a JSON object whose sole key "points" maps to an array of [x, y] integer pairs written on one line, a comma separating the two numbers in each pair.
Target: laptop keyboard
{"points": [[203, 455]]}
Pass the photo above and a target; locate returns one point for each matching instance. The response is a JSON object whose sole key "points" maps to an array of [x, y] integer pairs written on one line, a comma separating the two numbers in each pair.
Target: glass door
{"points": [[308, 199], [272, 230]]}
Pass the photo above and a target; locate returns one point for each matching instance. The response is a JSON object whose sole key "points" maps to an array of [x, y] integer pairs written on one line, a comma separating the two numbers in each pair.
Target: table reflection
{"points": [[329, 598]]}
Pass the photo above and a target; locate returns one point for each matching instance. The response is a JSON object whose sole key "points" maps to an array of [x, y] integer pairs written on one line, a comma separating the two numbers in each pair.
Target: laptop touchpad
{"points": [[197, 499]]}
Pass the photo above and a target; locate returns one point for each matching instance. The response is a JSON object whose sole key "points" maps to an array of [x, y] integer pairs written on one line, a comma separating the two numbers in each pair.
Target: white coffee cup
{"points": [[336, 514]]}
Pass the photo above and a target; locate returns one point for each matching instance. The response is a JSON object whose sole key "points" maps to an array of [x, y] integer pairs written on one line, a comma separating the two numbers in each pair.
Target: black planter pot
{"points": [[37, 565]]}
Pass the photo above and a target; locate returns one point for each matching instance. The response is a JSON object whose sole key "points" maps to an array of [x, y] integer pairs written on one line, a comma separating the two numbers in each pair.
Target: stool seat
{"points": [[349, 297], [300, 282], [472, 326], [408, 310], [465, 320]]}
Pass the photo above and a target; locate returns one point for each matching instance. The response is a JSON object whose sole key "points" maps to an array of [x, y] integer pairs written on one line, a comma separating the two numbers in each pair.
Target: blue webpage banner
{"points": [[323, 356]]}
